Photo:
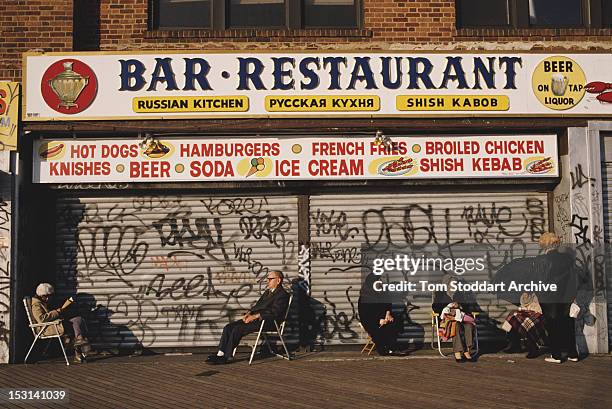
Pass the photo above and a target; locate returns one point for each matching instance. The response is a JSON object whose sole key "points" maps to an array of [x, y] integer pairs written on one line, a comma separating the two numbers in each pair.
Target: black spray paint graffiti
{"points": [[5, 279], [5, 216], [270, 227], [390, 227], [580, 227], [211, 267], [579, 178], [239, 206], [199, 236], [415, 228], [482, 220], [114, 249], [339, 323], [333, 224], [562, 214], [245, 254], [329, 250]]}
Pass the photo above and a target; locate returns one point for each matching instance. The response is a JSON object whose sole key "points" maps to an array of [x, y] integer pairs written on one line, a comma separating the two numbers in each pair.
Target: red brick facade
{"points": [[29, 25], [388, 24]]}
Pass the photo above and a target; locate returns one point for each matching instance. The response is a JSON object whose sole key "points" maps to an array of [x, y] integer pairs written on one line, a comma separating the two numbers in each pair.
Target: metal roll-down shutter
{"points": [[606, 174], [170, 271], [341, 224]]}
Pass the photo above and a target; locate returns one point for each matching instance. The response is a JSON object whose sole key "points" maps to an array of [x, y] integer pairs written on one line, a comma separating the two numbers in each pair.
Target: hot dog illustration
{"points": [[398, 165], [51, 152]]}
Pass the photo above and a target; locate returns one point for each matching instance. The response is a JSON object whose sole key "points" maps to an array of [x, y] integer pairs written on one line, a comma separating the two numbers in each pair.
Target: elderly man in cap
{"points": [[272, 305], [42, 312]]}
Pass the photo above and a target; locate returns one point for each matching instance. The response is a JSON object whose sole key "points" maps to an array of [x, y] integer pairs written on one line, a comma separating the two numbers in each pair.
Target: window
{"points": [[182, 14], [224, 14], [533, 13], [330, 13], [256, 13], [86, 25], [555, 13], [607, 13], [483, 13]]}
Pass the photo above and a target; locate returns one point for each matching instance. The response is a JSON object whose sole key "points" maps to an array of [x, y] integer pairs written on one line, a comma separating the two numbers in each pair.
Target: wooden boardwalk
{"points": [[322, 380]]}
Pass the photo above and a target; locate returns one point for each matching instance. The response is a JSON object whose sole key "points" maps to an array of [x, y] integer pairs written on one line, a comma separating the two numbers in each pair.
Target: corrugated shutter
{"points": [[606, 174], [340, 224], [171, 271]]}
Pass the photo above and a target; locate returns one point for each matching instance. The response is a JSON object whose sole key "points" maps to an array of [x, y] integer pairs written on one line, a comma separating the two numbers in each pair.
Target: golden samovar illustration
{"points": [[68, 85]]}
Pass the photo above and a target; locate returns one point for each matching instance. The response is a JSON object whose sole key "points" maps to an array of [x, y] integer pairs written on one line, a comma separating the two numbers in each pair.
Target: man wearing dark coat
{"points": [[272, 305], [376, 317], [558, 268]]}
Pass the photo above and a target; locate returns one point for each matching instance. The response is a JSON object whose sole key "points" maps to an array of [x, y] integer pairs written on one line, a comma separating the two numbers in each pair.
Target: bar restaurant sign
{"points": [[197, 159], [200, 84]]}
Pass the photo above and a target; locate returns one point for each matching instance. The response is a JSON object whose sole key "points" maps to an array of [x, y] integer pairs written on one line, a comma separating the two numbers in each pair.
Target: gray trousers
{"points": [[78, 326], [468, 333]]}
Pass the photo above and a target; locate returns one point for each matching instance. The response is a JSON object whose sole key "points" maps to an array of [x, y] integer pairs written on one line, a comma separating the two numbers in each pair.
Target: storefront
{"points": [[170, 229]]}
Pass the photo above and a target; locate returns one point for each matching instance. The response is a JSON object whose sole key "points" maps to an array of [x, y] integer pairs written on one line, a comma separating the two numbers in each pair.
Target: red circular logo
{"points": [[69, 86]]}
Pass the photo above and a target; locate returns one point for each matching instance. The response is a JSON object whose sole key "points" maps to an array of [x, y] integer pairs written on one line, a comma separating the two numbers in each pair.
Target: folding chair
{"points": [[369, 345], [278, 331], [27, 303], [435, 325]]}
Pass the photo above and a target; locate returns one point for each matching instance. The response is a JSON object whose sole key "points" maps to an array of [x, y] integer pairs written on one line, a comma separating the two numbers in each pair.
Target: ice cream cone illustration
{"points": [[257, 164]]}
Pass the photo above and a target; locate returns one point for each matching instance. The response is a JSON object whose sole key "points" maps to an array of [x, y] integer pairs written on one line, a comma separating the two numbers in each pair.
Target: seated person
{"points": [[377, 318], [526, 323], [272, 305], [42, 312], [459, 325]]}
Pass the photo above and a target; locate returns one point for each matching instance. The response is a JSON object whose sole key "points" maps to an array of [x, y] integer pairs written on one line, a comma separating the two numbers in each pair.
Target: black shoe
{"points": [[532, 355], [382, 352], [216, 360], [397, 353]]}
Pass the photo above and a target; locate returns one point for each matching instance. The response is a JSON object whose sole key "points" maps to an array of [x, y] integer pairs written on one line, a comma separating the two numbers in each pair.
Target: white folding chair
{"points": [[27, 303], [435, 325], [278, 331]]}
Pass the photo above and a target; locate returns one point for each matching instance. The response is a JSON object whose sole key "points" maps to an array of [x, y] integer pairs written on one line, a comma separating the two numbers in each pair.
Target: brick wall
{"points": [[388, 24], [32, 24]]}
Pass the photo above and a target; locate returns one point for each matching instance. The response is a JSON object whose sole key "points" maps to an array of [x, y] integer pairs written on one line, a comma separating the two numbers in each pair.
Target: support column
{"points": [[578, 220]]}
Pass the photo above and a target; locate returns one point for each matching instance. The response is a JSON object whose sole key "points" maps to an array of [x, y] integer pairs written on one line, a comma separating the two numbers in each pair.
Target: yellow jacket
{"points": [[41, 313]]}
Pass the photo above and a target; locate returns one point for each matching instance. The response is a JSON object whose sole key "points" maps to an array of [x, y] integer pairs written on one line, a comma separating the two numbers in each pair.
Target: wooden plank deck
{"points": [[322, 380]]}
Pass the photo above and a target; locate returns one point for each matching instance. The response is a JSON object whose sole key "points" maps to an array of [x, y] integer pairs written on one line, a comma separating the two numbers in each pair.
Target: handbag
{"points": [[574, 310]]}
